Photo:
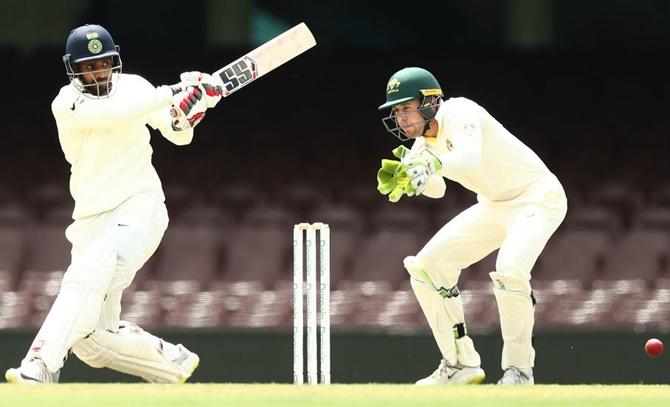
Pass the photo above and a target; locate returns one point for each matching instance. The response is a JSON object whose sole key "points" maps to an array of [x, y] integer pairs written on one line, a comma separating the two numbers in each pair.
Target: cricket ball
{"points": [[654, 347]]}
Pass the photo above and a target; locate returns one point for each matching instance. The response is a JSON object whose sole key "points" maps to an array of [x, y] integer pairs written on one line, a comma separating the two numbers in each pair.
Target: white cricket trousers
{"points": [[520, 228], [107, 251]]}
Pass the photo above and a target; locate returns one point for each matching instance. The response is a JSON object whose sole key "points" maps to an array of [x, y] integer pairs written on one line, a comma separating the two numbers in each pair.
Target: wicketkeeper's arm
{"points": [[466, 141], [435, 187]]}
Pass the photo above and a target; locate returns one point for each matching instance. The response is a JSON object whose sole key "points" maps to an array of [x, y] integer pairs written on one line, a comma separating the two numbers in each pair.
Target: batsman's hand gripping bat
{"points": [[264, 59]]}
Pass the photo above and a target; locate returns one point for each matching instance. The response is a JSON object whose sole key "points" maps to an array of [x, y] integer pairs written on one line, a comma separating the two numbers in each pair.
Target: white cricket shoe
{"points": [[31, 372], [187, 361], [514, 375], [447, 374]]}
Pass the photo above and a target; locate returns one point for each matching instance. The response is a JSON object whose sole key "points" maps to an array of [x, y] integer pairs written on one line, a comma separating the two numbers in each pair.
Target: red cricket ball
{"points": [[654, 347]]}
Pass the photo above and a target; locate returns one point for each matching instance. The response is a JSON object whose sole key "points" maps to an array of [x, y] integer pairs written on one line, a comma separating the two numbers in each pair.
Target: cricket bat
{"points": [[265, 58]]}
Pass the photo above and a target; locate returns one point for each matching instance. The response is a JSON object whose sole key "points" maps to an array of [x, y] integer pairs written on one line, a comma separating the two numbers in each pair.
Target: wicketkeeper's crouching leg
{"points": [[516, 307], [134, 351], [444, 311]]}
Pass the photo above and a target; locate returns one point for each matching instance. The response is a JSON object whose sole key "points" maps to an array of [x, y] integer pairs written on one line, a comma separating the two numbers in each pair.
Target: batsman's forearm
{"points": [[180, 138]]}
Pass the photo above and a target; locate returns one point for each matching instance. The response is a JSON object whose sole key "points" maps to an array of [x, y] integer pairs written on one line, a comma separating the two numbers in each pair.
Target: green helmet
{"points": [[410, 83]]}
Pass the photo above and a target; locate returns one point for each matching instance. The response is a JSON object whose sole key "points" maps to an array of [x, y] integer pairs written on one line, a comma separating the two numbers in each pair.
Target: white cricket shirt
{"points": [[479, 153], [106, 142]]}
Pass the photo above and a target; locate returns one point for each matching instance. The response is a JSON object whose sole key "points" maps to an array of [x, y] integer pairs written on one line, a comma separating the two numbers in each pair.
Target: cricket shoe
{"points": [[31, 372], [187, 361], [447, 374], [514, 375]]}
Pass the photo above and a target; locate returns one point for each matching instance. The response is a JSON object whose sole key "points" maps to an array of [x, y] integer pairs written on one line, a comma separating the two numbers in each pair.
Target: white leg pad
{"points": [[77, 308], [465, 350], [443, 315], [517, 318], [131, 351], [72, 316], [418, 270]]}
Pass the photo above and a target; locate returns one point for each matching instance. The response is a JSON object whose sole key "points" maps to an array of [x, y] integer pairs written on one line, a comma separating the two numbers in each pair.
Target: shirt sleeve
{"points": [[74, 111], [435, 187], [465, 136], [161, 121]]}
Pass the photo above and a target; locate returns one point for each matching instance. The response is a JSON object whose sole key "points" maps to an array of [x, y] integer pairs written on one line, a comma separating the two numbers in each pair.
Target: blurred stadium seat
{"points": [[143, 308], [12, 245], [396, 233], [189, 251], [259, 247], [47, 249], [15, 310]]}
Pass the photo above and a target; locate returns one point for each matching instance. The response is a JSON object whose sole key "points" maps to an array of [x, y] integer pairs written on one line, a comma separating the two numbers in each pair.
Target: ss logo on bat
{"points": [[239, 74]]}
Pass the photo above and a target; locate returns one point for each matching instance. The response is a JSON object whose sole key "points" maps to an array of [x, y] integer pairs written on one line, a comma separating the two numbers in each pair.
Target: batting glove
{"points": [[212, 88], [188, 109]]}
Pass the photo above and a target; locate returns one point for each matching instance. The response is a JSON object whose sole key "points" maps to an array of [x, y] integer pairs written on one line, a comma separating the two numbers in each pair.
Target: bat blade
{"points": [[265, 58]]}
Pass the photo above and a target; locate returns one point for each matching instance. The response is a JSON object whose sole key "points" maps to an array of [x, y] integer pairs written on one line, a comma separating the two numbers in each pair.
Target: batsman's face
{"points": [[96, 71], [410, 121]]}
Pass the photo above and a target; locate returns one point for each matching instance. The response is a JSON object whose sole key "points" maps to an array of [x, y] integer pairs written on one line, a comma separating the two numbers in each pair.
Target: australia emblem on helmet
{"points": [[393, 85]]}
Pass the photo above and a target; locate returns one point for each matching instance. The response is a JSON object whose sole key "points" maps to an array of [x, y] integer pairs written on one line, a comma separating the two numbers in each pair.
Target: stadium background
{"points": [[582, 83]]}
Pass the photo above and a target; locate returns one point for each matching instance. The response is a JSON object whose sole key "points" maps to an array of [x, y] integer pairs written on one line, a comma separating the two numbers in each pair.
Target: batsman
{"points": [[520, 204], [119, 214]]}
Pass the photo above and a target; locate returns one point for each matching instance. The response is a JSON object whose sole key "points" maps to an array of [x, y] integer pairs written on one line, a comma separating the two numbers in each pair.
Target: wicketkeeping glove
{"points": [[420, 166], [392, 178]]}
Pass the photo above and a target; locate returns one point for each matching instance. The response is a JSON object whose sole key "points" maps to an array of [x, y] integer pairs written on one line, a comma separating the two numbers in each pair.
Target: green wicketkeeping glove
{"points": [[400, 151], [401, 185], [385, 176], [392, 178]]}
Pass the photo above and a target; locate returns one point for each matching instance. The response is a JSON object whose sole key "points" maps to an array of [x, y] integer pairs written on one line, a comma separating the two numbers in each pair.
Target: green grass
{"points": [[277, 395]]}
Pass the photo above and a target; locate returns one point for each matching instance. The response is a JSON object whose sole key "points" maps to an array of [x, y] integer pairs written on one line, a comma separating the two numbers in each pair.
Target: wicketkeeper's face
{"points": [[409, 119]]}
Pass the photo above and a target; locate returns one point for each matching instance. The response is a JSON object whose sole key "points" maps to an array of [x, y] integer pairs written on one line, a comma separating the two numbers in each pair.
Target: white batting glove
{"points": [[191, 78], [188, 108], [211, 87]]}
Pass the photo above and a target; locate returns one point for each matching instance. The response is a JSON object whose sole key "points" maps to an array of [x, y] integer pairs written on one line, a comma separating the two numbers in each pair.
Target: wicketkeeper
{"points": [[520, 203]]}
